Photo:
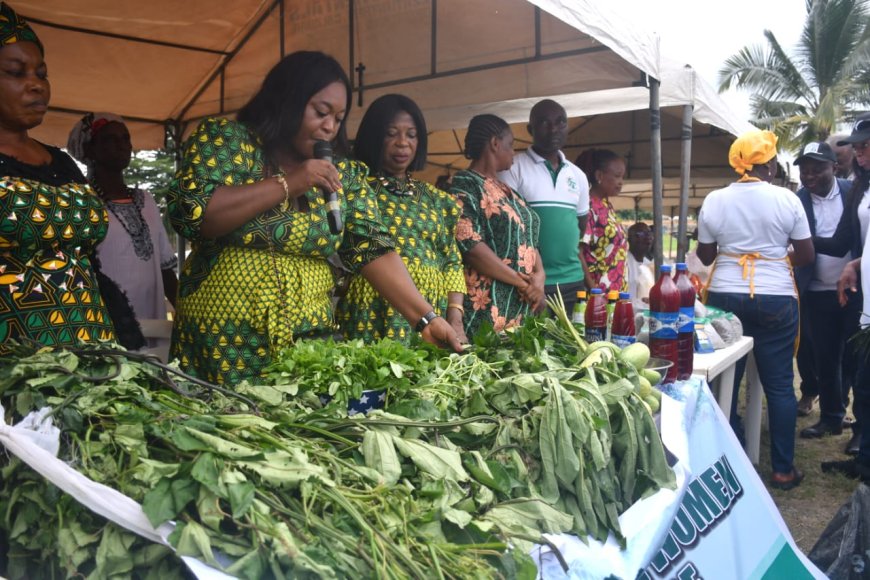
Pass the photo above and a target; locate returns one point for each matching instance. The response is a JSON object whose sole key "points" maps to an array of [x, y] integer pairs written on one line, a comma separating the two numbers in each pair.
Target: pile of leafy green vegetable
{"points": [[475, 455]]}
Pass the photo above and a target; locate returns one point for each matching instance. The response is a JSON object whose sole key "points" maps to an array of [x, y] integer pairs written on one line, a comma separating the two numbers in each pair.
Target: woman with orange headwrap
{"points": [[746, 228]]}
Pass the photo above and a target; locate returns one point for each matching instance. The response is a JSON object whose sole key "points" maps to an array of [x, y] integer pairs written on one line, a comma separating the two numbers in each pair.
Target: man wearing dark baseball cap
{"points": [[823, 320], [860, 131]]}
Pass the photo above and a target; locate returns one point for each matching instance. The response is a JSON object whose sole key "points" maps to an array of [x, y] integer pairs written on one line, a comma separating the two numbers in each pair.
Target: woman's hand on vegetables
{"points": [[441, 333], [460, 331], [313, 173], [454, 317]]}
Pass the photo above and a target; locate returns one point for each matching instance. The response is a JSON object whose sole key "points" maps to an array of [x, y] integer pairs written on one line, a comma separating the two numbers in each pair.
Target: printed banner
{"points": [[719, 523]]}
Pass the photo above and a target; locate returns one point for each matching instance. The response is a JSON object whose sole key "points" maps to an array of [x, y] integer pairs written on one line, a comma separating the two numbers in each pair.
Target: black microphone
{"points": [[323, 150]]}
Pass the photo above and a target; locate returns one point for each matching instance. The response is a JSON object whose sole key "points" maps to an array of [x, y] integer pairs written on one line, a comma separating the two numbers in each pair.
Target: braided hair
{"points": [[481, 129], [593, 160]]}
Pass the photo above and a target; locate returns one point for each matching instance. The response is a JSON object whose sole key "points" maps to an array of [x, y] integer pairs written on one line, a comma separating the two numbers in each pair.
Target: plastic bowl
{"points": [[659, 365]]}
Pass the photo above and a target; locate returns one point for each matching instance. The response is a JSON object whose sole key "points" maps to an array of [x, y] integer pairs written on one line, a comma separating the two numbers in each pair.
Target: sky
{"points": [[704, 33]]}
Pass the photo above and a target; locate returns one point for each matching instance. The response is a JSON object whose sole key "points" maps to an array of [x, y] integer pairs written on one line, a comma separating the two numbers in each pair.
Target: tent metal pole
{"points": [[433, 48], [685, 169], [173, 129], [351, 34], [281, 29], [655, 139]]}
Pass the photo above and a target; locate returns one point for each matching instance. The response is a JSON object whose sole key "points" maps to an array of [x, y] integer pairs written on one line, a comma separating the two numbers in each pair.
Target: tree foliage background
{"points": [[153, 171], [804, 95]]}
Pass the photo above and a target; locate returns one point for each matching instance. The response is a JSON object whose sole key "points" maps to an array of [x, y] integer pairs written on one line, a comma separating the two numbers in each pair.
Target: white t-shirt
{"points": [[865, 272], [752, 217], [640, 280], [827, 212], [864, 214]]}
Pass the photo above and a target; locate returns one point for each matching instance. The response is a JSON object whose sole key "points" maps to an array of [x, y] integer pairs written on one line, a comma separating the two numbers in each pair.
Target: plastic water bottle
{"points": [[596, 316], [622, 330], [612, 298], [578, 316], [685, 323], [664, 307]]}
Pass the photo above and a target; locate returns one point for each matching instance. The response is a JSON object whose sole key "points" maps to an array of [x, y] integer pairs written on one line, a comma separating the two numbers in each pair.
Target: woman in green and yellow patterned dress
{"points": [[497, 233], [50, 219], [249, 196], [391, 140]]}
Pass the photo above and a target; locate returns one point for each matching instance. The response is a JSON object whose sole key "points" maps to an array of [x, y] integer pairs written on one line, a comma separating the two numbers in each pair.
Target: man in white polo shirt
{"points": [[558, 191]]}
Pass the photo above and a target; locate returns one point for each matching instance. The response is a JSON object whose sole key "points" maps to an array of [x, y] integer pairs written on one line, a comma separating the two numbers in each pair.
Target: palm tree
{"points": [[803, 97]]}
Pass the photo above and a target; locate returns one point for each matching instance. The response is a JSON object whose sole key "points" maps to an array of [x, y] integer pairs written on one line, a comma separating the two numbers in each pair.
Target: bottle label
{"points": [[663, 324], [578, 316], [623, 341], [686, 319], [594, 334]]}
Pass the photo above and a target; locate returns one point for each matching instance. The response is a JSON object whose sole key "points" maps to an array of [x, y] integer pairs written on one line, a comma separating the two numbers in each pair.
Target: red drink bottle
{"points": [[664, 307], [685, 323], [622, 331], [596, 316]]}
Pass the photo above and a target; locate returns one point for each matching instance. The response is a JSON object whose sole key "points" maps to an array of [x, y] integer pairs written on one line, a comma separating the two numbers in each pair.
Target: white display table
{"points": [[717, 368]]}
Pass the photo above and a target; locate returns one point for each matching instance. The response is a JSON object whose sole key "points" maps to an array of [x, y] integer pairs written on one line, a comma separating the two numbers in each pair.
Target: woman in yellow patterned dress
{"points": [[50, 219], [249, 195], [391, 140]]}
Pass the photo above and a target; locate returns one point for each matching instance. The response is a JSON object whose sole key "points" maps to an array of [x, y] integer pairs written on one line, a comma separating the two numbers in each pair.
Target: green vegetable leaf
{"points": [[168, 499], [433, 460], [380, 454], [241, 497]]}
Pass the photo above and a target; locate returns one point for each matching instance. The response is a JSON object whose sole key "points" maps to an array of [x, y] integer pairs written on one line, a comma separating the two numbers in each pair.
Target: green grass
{"points": [[808, 508]]}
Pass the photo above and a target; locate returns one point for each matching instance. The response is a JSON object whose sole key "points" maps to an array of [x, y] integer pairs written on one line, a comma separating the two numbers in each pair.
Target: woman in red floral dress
{"points": [[604, 245], [497, 233]]}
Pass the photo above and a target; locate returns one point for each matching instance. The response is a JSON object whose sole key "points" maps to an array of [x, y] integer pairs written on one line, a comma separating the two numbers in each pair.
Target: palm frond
{"points": [[792, 83]]}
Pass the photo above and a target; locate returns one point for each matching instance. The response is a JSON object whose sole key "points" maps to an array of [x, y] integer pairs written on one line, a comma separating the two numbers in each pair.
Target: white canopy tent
{"points": [[164, 64]]}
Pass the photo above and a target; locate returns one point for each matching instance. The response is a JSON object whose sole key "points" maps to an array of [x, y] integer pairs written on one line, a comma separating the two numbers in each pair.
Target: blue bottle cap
{"points": [[666, 268], [624, 296], [682, 266], [597, 291]]}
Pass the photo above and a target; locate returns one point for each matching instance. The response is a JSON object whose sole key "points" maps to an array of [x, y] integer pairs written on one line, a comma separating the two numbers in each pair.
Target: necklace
{"points": [[129, 215], [404, 186]]}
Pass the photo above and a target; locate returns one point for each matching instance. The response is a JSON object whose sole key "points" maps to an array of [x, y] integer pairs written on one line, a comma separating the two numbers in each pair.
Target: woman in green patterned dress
{"points": [[50, 219], [249, 195], [391, 140], [497, 233]]}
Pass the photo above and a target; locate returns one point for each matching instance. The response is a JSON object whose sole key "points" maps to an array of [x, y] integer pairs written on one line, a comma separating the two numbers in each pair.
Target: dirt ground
{"points": [[809, 508]]}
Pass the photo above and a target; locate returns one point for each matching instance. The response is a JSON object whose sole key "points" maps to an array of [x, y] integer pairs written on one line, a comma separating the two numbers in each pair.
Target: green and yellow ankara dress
{"points": [[243, 295], [50, 222], [422, 220]]}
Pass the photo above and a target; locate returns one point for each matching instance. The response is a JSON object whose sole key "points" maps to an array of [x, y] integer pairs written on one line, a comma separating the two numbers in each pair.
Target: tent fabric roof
{"points": [[165, 61]]}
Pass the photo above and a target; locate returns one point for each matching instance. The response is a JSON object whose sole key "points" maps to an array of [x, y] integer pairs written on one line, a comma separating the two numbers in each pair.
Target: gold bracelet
{"points": [[283, 181], [457, 307]]}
